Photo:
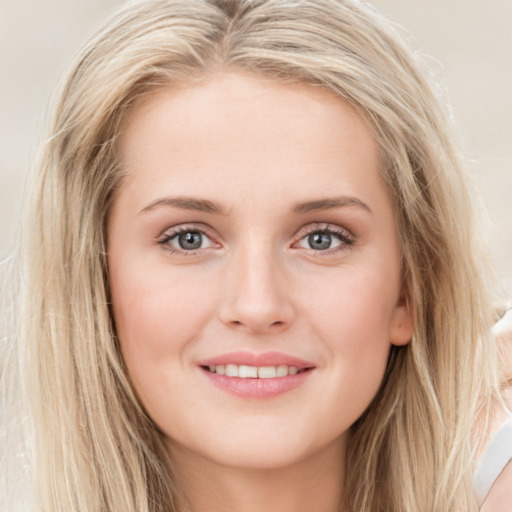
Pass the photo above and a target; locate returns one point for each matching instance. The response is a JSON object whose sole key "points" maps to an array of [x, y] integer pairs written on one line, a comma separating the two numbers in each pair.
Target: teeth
{"points": [[282, 370], [245, 372], [267, 372], [254, 372], [232, 370]]}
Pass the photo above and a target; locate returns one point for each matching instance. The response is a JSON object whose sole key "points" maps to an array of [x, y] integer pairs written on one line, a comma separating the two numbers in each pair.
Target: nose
{"points": [[257, 295]]}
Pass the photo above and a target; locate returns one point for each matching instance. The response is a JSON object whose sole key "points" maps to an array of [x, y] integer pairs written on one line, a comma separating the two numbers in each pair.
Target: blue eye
{"points": [[320, 241], [325, 240], [189, 240], [186, 240]]}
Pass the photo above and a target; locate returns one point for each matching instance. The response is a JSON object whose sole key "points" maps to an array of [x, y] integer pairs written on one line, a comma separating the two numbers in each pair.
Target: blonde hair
{"points": [[84, 433]]}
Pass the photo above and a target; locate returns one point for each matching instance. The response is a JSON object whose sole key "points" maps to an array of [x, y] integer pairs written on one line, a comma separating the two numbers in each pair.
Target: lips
{"points": [[250, 375], [264, 359], [254, 372]]}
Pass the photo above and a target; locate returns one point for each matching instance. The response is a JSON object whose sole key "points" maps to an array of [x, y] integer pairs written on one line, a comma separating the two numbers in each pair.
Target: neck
{"points": [[315, 483]]}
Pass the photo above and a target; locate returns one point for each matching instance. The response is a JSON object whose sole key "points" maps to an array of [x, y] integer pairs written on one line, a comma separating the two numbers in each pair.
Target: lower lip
{"points": [[257, 388]]}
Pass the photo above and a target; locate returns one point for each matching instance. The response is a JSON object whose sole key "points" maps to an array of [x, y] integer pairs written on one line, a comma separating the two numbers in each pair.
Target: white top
{"points": [[496, 457]]}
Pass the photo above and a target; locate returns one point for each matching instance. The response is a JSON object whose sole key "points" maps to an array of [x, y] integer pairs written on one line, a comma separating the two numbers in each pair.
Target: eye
{"points": [[185, 240], [326, 239], [189, 240], [321, 241]]}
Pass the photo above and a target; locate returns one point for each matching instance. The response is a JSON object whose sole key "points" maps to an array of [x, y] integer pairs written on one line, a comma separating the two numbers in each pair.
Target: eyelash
{"points": [[166, 237], [344, 236]]}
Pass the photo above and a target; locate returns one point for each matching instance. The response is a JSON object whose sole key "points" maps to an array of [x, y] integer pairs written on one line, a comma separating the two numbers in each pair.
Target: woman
{"points": [[249, 278]]}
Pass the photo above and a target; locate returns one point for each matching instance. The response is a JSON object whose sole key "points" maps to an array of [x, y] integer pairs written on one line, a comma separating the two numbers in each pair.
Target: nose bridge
{"points": [[256, 296]]}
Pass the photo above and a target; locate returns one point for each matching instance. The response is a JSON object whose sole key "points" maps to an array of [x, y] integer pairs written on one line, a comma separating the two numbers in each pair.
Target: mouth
{"points": [[256, 376], [254, 372]]}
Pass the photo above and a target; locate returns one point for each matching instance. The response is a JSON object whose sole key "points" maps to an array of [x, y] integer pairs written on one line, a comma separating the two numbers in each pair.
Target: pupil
{"points": [[190, 240], [319, 241]]}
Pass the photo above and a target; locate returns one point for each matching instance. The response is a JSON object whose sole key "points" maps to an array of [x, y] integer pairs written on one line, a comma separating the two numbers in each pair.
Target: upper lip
{"points": [[250, 359]]}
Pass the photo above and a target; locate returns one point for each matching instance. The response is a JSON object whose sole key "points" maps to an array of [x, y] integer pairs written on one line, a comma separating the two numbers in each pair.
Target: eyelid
{"points": [[347, 238], [170, 233]]}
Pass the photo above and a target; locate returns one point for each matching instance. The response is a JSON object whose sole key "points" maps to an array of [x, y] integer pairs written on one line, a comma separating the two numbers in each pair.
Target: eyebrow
{"points": [[330, 203], [207, 206], [187, 203]]}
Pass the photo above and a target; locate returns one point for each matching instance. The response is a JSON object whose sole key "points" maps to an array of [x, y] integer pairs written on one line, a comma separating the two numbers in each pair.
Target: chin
{"points": [[262, 449], [258, 457]]}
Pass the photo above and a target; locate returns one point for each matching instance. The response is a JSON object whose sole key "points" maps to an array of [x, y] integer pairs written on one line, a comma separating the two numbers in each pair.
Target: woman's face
{"points": [[253, 234]]}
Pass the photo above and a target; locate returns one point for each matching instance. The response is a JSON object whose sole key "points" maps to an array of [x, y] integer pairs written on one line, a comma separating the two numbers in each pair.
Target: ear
{"points": [[402, 321]]}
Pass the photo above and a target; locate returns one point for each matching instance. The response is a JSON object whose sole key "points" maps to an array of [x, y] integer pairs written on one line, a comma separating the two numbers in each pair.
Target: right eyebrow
{"points": [[187, 203]]}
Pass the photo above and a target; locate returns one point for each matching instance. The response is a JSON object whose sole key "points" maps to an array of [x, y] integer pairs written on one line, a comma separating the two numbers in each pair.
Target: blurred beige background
{"points": [[469, 44]]}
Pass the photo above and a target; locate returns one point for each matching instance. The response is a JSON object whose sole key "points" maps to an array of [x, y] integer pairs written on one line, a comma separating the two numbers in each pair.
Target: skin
{"points": [[256, 149], [500, 494]]}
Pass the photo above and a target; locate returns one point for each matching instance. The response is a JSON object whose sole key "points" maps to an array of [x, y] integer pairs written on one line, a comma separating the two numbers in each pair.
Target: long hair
{"points": [[72, 416]]}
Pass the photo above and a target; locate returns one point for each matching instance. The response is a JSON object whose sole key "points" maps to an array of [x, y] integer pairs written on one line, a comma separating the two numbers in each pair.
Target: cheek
{"points": [[355, 309], [352, 317], [157, 315]]}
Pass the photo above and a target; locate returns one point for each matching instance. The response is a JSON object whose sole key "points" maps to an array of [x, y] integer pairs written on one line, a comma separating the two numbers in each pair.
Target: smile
{"points": [[254, 372], [256, 376]]}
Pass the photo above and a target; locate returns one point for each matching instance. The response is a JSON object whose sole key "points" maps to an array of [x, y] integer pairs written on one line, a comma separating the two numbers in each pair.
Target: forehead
{"points": [[245, 131]]}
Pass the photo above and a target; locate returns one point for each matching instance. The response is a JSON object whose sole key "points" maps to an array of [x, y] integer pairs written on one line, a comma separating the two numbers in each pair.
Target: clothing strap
{"points": [[496, 457]]}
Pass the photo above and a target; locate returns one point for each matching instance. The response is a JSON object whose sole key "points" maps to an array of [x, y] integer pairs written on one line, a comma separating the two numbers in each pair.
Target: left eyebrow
{"points": [[330, 203]]}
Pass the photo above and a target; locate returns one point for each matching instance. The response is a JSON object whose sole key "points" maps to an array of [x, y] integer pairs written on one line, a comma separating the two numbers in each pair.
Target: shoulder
{"points": [[499, 498], [493, 479]]}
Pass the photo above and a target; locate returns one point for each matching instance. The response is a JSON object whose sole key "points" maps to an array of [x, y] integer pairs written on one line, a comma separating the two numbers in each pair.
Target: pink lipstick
{"points": [[251, 375]]}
